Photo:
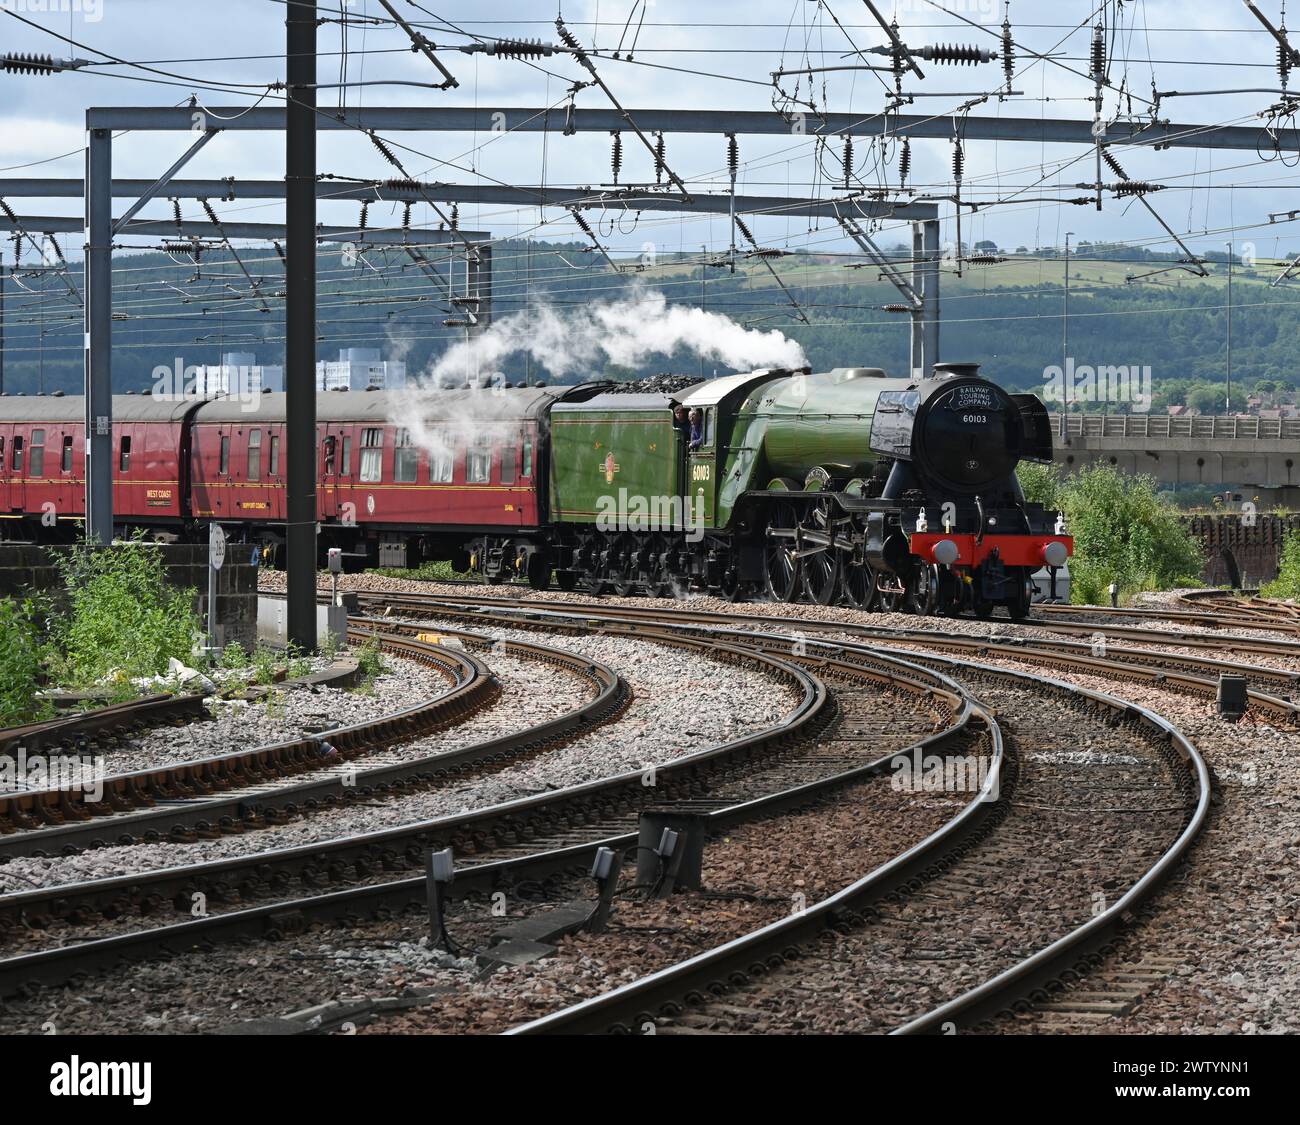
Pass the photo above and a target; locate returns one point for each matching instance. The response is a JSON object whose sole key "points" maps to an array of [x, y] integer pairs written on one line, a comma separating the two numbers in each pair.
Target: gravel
{"points": [[749, 884], [724, 702]]}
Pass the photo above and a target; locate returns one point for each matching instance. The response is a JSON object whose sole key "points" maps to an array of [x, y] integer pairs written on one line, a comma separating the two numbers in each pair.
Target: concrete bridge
{"points": [[1242, 451]]}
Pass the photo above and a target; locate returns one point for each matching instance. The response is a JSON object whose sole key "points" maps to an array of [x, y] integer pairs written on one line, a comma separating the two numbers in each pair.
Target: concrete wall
{"points": [[27, 568]]}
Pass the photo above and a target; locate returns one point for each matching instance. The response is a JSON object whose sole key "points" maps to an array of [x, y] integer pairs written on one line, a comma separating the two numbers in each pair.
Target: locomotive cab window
{"points": [[37, 460], [18, 454], [124, 455], [66, 464], [406, 458], [478, 460], [707, 442], [372, 455], [254, 454]]}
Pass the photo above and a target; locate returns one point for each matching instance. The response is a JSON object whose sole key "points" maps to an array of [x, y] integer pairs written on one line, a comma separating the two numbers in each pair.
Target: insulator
{"points": [[733, 155], [365, 215], [54, 245], [904, 163], [660, 163], [1008, 52], [583, 225], [212, 215], [744, 229], [958, 160], [455, 216], [896, 308], [616, 154], [957, 54], [176, 211], [384, 150], [280, 250], [984, 259], [520, 49], [179, 247], [571, 41], [1136, 187], [848, 160], [29, 64], [1098, 52], [1114, 164], [9, 213], [406, 216], [1283, 62], [401, 185]]}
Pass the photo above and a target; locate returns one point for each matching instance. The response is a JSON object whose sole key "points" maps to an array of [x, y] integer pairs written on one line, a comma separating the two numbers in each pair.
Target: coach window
{"points": [[331, 443], [2, 455], [478, 460], [254, 454], [67, 453], [526, 459], [508, 464], [372, 455], [38, 454], [275, 455], [224, 466], [345, 467], [18, 454], [124, 455], [406, 458], [441, 461]]}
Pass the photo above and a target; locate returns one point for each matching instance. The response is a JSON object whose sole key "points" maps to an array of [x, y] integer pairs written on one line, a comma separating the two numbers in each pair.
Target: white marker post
{"points": [[216, 557]]}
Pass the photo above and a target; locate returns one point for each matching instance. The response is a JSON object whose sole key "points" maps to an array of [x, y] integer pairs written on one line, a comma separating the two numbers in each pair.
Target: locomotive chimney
{"points": [[956, 370]]}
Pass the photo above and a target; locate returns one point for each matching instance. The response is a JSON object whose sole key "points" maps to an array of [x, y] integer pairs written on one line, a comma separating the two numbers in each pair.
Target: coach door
{"points": [[221, 488], [18, 468], [331, 471], [6, 433]]}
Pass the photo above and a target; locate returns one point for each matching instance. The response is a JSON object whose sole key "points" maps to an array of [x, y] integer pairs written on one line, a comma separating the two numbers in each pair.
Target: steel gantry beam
{"points": [[422, 237], [523, 119], [632, 199]]}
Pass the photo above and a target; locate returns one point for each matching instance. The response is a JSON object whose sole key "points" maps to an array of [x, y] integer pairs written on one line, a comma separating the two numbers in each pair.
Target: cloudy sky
{"points": [[719, 54]]}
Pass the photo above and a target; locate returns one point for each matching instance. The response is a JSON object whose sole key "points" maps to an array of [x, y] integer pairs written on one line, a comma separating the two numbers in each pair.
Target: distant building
{"points": [[238, 373], [356, 369]]}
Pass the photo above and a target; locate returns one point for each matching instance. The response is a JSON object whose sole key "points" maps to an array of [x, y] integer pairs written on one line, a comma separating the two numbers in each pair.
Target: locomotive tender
{"points": [[846, 486]]}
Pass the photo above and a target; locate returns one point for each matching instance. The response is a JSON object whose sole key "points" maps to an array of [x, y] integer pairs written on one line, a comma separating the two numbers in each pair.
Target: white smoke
{"points": [[623, 332]]}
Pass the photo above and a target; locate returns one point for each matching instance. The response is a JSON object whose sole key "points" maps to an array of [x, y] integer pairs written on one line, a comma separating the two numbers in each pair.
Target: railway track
{"points": [[84, 731], [523, 837], [1270, 690], [911, 947], [241, 789]]}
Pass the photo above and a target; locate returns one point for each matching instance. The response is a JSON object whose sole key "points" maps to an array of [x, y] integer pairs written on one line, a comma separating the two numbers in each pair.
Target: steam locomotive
{"points": [[845, 486]]}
